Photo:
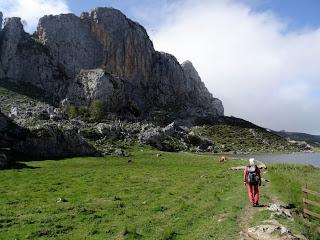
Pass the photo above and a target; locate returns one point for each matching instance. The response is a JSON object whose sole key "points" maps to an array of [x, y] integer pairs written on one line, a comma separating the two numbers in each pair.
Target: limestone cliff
{"points": [[102, 55]]}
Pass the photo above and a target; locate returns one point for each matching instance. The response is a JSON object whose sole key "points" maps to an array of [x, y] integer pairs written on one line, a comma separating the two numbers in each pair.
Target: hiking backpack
{"points": [[253, 177]]}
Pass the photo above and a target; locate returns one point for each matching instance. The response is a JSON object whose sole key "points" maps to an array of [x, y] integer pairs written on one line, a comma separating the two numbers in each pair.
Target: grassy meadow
{"points": [[287, 181], [174, 196]]}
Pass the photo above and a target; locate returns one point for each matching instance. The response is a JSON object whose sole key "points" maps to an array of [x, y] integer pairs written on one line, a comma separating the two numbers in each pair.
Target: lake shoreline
{"points": [[303, 158]]}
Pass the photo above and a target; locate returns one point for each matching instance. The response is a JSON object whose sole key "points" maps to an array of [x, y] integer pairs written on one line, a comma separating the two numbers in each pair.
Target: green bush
{"points": [[71, 111], [97, 110], [83, 111]]}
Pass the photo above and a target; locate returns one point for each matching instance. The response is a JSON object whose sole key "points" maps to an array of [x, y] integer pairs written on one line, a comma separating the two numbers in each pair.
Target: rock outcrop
{"points": [[103, 55], [52, 141], [46, 141]]}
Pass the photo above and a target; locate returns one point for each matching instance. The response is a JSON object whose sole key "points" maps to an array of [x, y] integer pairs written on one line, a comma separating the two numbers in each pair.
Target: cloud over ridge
{"points": [[261, 71], [31, 10]]}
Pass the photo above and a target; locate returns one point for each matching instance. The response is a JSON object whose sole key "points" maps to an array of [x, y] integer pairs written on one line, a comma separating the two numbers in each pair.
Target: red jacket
{"points": [[246, 173]]}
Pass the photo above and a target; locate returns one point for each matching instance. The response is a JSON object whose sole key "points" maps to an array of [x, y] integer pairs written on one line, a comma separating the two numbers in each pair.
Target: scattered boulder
{"points": [[280, 211], [120, 152], [107, 152], [171, 129], [272, 230], [14, 112], [152, 136], [112, 130], [210, 148]]}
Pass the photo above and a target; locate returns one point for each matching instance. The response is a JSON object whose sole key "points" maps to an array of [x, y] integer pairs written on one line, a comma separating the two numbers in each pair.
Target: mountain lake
{"points": [[294, 158]]}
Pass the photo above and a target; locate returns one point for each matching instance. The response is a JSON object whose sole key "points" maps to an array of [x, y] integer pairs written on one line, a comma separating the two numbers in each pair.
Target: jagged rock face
{"points": [[127, 48], [198, 92], [25, 60], [12, 34], [71, 45], [118, 94], [103, 55]]}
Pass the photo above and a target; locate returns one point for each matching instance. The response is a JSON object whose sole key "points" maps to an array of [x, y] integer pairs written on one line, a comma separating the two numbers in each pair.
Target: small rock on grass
{"points": [[61, 199], [120, 152]]}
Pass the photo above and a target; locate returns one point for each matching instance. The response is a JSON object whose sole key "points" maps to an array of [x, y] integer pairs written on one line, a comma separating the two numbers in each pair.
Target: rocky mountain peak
{"points": [[13, 25], [190, 71], [103, 55]]}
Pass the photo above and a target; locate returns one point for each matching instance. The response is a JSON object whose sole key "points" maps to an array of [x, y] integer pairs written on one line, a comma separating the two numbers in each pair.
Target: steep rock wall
{"points": [[63, 56]]}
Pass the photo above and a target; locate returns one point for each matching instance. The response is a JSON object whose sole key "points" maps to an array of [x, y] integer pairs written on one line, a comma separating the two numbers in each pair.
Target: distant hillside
{"points": [[231, 134], [313, 140]]}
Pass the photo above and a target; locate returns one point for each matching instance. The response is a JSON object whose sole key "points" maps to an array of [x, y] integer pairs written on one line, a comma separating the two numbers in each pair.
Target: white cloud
{"points": [[31, 10], [261, 70]]}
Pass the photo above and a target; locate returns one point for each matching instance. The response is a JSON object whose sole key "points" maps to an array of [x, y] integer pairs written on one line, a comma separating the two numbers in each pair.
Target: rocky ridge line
{"points": [[103, 55]]}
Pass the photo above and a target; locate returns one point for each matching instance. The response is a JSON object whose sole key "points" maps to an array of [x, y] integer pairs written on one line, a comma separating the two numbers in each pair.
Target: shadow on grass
{"points": [[20, 165]]}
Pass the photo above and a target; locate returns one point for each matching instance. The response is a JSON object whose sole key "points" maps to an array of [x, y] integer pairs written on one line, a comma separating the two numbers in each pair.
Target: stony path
{"points": [[248, 213], [269, 228], [245, 221]]}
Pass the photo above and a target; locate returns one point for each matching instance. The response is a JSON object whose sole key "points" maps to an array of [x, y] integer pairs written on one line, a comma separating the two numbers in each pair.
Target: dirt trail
{"points": [[246, 218]]}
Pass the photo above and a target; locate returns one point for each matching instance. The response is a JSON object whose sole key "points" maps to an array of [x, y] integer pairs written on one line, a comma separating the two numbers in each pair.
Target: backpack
{"points": [[253, 177]]}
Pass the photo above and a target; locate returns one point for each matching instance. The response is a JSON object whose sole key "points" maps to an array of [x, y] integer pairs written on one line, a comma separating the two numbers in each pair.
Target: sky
{"points": [[260, 57]]}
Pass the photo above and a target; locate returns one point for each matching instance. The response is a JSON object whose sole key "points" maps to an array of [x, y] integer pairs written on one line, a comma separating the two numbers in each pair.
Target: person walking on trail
{"points": [[252, 180]]}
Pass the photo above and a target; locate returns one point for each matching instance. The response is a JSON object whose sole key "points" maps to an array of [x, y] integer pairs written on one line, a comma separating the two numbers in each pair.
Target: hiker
{"points": [[252, 179]]}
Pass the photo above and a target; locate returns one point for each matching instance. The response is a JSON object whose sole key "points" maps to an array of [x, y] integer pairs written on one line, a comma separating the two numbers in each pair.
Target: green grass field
{"points": [[175, 196], [287, 181]]}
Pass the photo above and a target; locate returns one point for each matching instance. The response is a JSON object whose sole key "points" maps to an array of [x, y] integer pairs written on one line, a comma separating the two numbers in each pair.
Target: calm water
{"points": [[303, 158]]}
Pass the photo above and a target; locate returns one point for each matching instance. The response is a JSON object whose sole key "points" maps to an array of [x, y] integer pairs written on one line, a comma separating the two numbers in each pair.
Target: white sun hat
{"points": [[251, 161]]}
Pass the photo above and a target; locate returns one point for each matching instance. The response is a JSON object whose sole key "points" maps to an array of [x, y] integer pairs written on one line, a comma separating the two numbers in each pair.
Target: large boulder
{"points": [[112, 130], [49, 141], [152, 136]]}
